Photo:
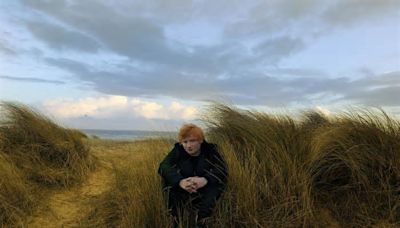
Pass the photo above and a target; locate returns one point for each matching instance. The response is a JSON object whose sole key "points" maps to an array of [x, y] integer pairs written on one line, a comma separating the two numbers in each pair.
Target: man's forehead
{"points": [[191, 137]]}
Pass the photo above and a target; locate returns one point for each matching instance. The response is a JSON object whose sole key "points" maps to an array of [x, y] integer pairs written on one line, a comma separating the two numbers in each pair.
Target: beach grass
{"points": [[16, 196], [36, 154], [312, 171]]}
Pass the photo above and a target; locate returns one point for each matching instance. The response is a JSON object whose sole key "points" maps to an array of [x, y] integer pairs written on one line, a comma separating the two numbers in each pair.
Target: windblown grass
{"points": [[134, 199], [16, 199], [355, 168], [314, 171], [50, 155], [35, 154], [266, 156]]}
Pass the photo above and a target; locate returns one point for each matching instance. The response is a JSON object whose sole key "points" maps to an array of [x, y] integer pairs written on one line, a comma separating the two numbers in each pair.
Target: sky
{"points": [[153, 65]]}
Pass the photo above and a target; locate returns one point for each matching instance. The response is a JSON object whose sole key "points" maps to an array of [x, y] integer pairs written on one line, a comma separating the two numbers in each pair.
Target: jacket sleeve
{"points": [[168, 168], [218, 173]]}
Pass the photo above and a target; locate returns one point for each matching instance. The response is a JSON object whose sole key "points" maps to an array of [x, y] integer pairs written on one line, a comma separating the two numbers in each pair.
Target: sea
{"points": [[127, 134]]}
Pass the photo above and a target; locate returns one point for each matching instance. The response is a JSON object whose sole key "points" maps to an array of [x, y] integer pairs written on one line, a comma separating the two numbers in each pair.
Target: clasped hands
{"points": [[191, 184]]}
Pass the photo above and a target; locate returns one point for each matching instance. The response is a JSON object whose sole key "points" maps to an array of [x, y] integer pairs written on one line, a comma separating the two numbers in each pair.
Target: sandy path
{"points": [[65, 208]]}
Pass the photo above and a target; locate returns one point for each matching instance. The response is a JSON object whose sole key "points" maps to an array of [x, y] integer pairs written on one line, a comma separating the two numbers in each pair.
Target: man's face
{"points": [[191, 144]]}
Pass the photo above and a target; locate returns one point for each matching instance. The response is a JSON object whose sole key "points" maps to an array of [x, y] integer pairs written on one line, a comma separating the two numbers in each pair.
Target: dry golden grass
{"points": [[16, 198], [337, 171], [134, 199], [355, 168], [35, 154], [316, 171], [50, 154]]}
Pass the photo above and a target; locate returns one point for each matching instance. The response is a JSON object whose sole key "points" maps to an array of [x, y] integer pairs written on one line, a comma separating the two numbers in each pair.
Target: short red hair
{"points": [[190, 129]]}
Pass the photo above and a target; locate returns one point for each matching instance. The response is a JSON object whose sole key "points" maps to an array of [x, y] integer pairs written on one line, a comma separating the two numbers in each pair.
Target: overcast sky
{"points": [[152, 64]]}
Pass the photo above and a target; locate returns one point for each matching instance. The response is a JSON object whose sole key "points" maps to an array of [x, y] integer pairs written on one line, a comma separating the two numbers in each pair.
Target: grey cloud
{"points": [[240, 88], [29, 79], [347, 12], [309, 18], [130, 36], [297, 72], [257, 90], [387, 96], [377, 90], [137, 38], [68, 64], [271, 51], [135, 82], [175, 10], [391, 78], [174, 71], [58, 37], [142, 38], [245, 74], [6, 50], [271, 16]]}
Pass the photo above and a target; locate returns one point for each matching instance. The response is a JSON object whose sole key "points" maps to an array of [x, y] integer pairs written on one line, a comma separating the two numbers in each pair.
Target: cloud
{"points": [[96, 107], [58, 37], [150, 110], [178, 109], [347, 13], [30, 79], [5, 49], [242, 62], [308, 18], [143, 38], [270, 17], [375, 90], [119, 106], [128, 35], [258, 89]]}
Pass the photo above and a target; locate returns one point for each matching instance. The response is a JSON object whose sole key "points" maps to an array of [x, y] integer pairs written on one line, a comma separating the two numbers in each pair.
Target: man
{"points": [[193, 173]]}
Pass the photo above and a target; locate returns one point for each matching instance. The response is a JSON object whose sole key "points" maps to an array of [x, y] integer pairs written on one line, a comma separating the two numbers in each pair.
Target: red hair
{"points": [[190, 130]]}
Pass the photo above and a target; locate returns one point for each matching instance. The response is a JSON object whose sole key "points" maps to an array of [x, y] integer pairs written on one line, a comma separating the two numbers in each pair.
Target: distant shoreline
{"points": [[126, 134]]}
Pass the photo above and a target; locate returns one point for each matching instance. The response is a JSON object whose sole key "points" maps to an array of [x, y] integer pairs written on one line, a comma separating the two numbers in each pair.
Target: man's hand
{"points": [[191, 184], [199, 182], [188, 185]]}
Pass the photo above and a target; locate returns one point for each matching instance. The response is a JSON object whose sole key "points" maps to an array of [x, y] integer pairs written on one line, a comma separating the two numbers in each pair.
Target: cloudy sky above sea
{"points": [[151, 65]]}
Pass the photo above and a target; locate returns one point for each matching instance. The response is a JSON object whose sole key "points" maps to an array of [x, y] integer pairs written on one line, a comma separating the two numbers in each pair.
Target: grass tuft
{"points": [[35, 154], [16, 199], [49, 154], [355, 168]]}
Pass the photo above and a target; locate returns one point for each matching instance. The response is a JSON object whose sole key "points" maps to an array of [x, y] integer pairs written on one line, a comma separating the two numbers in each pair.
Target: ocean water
{"points": [[127, 135]]}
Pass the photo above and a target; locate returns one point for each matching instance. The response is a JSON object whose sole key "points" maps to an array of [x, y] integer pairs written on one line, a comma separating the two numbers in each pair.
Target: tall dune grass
{"points": [[35, 154], [49, 154], [355, 168], [16, 199], [272, 187], [134, 199], [315, 171]]}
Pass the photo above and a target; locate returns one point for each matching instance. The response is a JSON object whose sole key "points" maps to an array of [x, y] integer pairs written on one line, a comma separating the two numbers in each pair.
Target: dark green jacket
{"points": [[178, 164]]}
